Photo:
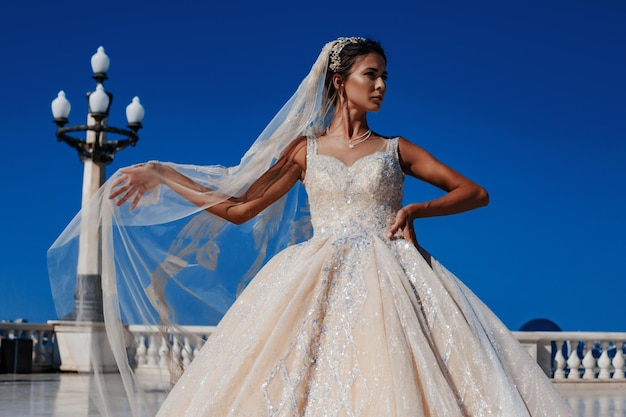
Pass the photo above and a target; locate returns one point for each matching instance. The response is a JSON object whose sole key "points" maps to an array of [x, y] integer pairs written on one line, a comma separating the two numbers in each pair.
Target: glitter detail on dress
{"points": [[352, 324]]}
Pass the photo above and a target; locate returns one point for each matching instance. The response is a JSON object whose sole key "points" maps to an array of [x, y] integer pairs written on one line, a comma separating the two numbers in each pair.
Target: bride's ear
{"points": [[337, 81]]}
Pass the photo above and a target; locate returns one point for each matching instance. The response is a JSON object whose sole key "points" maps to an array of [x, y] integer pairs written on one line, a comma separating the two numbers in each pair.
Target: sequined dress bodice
{"points": [[362, 198]]}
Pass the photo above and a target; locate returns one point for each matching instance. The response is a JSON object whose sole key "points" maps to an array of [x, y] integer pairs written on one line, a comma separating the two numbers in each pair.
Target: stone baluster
{"points": [[604, 362], [164, 351], [589, 362], [40, 347], [32, 335], [199, 345], [50, 346], [618, 361], [142, 351], [176, 348], [573, 362], [559, 372], [152, 352], [187, 352]]}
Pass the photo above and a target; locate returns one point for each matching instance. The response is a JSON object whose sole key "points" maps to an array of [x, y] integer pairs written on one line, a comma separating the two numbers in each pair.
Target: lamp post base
{"points": [[83, 347]]}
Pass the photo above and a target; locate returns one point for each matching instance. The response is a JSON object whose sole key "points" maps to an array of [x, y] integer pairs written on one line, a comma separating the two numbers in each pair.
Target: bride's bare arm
{"points": [[462, 194], [272, 185]]}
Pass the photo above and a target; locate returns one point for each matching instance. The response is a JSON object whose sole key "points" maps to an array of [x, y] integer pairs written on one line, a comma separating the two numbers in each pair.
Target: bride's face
{"points": [[365, 86]]}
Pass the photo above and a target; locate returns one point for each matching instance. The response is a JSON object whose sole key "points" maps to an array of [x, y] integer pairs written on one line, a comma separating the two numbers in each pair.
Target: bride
{"points": [[351, 319]]}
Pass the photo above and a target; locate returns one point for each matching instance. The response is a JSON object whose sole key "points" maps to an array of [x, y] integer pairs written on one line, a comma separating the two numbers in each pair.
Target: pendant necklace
{"points": [[351, 143]]}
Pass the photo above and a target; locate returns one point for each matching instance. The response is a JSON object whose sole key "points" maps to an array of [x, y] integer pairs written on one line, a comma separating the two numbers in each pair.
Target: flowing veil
{"points": [[169, 263]]}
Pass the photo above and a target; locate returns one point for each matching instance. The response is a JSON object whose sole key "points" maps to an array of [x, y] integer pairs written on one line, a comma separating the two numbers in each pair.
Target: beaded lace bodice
{"points": [[362, 197]]}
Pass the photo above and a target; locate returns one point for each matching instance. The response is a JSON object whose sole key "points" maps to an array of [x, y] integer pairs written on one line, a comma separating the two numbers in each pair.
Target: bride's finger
{"points": [[409, 232], [409, 235], [136, 200], [393, 229], [397, 224], [120, 180], [120, 190], [125, 197]]}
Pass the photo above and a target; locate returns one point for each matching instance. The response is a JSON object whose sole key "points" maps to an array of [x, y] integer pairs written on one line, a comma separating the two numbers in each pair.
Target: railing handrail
{"points": [[26, 327], [153, 328], [558, 336]]}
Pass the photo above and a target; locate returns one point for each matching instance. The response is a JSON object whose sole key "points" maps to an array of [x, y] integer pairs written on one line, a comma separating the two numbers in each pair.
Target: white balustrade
{"points": [[564, 356], [154, 347], [578, 356]]}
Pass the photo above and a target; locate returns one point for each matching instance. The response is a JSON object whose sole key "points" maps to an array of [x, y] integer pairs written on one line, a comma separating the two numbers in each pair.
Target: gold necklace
{"points": [[352, 142]]}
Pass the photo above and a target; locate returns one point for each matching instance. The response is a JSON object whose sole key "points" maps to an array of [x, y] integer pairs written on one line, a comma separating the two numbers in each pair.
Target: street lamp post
{"points": [[95, 151]]}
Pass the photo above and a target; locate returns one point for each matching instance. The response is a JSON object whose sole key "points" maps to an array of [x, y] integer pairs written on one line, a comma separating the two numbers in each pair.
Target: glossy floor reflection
{"points": [[603, 400], [67, 395], [62, 395]]}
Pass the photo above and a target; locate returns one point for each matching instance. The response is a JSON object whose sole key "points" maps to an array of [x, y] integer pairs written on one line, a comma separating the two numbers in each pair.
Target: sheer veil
{"points": [[169, 263]]}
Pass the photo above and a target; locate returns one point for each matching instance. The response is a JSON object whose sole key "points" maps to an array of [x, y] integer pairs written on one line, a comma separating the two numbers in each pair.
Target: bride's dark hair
{"points": [[348, 56]]}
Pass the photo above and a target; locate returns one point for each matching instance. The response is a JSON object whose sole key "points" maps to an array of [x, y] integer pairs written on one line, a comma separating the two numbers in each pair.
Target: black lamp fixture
{"points": [[99, 150]]}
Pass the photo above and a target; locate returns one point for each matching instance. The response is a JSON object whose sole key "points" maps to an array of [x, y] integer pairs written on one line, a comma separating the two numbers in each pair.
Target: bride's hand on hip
{"points": [[135, 182], [404, 224]]}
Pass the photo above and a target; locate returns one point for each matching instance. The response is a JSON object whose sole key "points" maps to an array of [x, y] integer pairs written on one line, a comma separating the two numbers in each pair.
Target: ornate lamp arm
{"points": [[100, 151]]}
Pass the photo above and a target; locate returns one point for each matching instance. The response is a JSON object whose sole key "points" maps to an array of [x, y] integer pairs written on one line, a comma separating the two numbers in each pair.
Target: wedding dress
{"points": [[353, 323]]}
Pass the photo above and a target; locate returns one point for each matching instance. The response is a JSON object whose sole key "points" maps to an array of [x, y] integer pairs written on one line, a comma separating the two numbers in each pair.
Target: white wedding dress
{"points": [[352, 323]]}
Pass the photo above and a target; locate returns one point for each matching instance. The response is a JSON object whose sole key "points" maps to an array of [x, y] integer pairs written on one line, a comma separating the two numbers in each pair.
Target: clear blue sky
{"points": [[528, 98]]}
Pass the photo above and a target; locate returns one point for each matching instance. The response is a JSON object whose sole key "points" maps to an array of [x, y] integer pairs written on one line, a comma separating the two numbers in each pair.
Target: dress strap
{"points": [[392, 148], [311, 145]]}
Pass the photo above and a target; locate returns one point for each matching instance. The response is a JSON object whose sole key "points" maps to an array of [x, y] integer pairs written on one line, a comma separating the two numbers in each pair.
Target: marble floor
{"points": [[67, 395]]}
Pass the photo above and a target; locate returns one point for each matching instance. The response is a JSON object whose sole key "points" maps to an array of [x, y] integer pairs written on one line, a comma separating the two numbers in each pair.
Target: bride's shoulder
{"points": [[409, 151], [296, 151], [406, 143]]}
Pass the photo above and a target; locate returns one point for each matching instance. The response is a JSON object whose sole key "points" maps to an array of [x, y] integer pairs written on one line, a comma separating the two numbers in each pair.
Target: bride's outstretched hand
{"points": [[134, 183], [403, 223]]}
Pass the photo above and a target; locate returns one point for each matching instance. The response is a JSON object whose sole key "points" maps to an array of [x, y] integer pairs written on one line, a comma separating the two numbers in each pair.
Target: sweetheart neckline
{"points": [[343, 164]]}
